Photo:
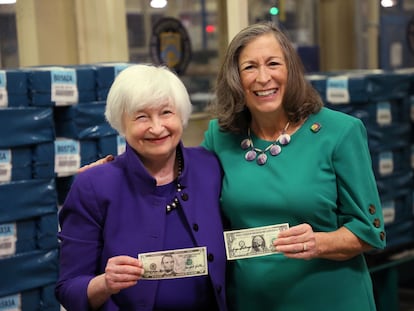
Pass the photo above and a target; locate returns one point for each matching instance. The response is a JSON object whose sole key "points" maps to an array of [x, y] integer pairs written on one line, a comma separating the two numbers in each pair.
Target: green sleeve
{"points": [[358, 199]]}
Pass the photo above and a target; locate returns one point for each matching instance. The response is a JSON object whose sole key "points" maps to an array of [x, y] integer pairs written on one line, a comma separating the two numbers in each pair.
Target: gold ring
{"points": [[304, 247]]}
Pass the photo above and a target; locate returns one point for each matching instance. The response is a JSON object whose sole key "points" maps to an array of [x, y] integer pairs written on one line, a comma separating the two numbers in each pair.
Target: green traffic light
{"points": [[274, 10]]}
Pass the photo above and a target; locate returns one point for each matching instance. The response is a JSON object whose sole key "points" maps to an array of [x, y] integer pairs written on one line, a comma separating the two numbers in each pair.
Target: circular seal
{"points": [[170, 44]]}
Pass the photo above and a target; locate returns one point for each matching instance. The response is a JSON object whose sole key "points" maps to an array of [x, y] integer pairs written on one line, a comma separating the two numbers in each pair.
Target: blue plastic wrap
{"points": [[380, 138], [34, 233], [106, 73], [82, 121], [380, 113], [82, 79], [17, 81], [63, 185], [15, 91], [390, 148], [29, 210], [32, 162], [27, 199], [102, 94], [395, 182], [108, 145], [41, 82], [396, 197], [45, 99], [105, 76], [21, 161], [37, 299], [89, 151], [28, 270], [361, 85], [43, 160], [400, 233], [18, 100], [25, 126], [391, 160]]}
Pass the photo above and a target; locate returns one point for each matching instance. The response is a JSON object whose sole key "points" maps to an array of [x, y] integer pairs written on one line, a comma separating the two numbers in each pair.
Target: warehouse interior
{"points": [[367, 45]]}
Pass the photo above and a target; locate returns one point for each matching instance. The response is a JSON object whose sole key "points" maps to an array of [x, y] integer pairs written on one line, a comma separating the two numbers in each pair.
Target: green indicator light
{"points": [[274, 10]]}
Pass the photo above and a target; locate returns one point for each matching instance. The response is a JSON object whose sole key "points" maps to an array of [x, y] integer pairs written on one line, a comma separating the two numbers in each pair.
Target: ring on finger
{"points": [[304, 247]]}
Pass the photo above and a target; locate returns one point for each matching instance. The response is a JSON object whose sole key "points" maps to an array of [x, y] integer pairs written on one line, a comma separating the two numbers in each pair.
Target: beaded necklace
{"points": [[175, 203], [274, 148]]}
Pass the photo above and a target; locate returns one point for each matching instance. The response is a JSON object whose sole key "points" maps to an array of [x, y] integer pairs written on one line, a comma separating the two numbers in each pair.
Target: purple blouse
{"points": [[117, 209]]}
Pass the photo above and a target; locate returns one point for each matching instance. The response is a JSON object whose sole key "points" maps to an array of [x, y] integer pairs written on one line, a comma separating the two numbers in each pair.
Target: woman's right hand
{"points": [[122, 272], [107, 159]]}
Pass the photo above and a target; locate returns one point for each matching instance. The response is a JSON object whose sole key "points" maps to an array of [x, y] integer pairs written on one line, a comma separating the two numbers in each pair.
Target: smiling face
{"points": [[263, 74], [154, 132]]}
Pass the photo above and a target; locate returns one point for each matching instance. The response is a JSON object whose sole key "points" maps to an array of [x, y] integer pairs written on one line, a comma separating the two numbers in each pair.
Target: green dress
{"points": [[322, 177]]}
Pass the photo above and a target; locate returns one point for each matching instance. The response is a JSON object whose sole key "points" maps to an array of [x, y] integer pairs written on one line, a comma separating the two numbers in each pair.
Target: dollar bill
{"points": [[178, 263], [252, 242]]}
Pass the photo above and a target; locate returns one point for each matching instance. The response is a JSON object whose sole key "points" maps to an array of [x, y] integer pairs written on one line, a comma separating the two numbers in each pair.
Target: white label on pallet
{"points": [[5, 165], [3, 89], [64, 87], [386, 163], [11, 303], [67, 157], [337, 90], [384, 116], [388, 212], [8, 238]]}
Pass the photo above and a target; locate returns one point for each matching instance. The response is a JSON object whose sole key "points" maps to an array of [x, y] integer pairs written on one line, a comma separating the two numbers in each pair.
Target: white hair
{"points": [[141, 86]]}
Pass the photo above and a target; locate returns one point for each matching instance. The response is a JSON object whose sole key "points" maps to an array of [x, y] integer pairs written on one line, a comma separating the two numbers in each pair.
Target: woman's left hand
{"points": [[302, 242], [297, 242]]}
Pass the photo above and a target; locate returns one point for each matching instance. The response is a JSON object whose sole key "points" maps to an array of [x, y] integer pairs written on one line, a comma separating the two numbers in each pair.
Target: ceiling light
{"points": [[7, 1], [158, 4], [388, 3]]}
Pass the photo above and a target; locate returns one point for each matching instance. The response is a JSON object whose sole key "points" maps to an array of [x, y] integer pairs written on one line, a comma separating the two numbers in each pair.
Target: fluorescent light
{"points": [[158, 4], [7, 1], [388, 3]]}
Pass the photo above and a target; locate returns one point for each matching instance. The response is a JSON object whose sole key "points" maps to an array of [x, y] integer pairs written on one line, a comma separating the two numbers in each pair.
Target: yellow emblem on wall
{"points": [[170, 48], [170, 44]]}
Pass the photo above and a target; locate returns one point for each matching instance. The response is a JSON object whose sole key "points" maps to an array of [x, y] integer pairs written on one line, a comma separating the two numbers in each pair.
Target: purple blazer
{"points": [[112, 210]]}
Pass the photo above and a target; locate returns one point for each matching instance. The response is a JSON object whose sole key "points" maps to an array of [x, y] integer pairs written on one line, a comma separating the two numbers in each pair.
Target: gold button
{"points": [[372, 209], [377, 223], [382, 235]]}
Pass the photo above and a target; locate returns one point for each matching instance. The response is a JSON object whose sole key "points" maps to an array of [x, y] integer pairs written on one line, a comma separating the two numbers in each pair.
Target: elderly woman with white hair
{"points": [[158, 195]]}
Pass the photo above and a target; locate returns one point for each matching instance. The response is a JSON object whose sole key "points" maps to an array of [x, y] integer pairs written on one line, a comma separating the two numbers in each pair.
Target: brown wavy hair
{"points": [[229, 105]]}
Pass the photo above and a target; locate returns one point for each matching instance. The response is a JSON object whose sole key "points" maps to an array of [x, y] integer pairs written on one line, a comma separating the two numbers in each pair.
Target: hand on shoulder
{"points": [[107, 159]]}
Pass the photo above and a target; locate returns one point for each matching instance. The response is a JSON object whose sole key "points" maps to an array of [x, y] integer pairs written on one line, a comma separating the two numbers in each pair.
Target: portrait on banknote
{"points": [[167, 262], [258, 244], [252, 242], [178, 263]]}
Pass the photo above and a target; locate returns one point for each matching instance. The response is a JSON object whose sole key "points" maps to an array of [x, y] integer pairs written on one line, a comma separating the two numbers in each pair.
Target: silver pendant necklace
{"points": [[260, 155]]}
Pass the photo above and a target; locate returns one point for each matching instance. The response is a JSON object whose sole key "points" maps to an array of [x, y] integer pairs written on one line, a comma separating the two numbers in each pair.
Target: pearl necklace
{"points": [[175, 203], [274, 148]]}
